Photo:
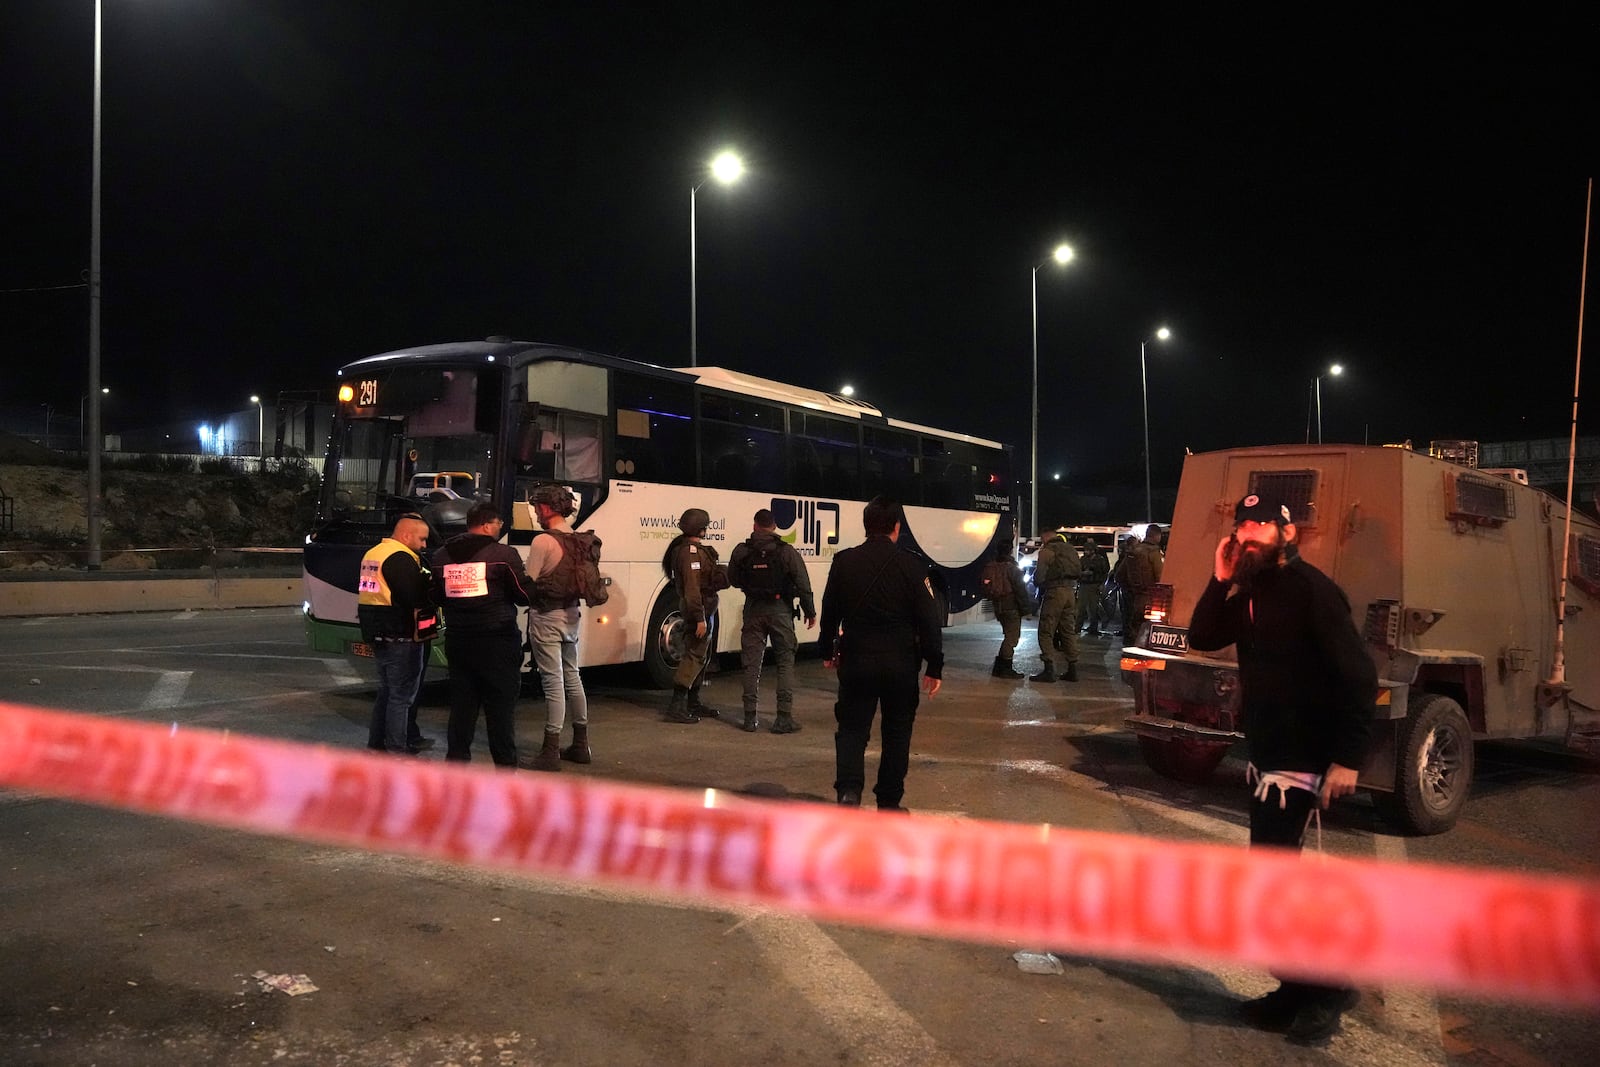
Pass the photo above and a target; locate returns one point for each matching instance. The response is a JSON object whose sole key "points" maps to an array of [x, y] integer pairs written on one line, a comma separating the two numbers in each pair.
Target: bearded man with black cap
{"points": [[1307, 687], [693, 569]]}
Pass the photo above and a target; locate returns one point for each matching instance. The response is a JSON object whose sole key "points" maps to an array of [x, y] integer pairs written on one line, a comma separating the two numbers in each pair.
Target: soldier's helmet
{"points": [[694, 521], [557, 497]]}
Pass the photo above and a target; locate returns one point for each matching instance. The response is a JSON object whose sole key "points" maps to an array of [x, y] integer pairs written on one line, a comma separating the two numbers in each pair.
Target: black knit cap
{"points": [[1257, 508]]}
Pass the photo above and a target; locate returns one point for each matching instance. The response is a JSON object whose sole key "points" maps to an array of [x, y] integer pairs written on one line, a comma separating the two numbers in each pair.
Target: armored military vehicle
{"points": [[1453, 576]]}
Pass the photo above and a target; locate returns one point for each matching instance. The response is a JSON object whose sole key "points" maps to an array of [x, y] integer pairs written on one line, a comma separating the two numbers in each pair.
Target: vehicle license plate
{"points": [[1168, 638], [360, 648]]}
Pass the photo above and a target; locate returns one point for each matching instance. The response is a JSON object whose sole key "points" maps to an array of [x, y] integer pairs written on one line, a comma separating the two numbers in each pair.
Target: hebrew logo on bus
{"points": [[812, 526]]}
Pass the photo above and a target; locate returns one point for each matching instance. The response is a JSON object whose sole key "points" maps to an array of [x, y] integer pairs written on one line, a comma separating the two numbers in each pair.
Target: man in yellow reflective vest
{"points": [[395, 608]]}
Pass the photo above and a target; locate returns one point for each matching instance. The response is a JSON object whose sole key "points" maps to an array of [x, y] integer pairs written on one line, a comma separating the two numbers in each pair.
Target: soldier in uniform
{"points": [[1096, 568], [772, 575], [1138, 571], [1004, 586], [692, 566], [880, 622], [1056, 573]]}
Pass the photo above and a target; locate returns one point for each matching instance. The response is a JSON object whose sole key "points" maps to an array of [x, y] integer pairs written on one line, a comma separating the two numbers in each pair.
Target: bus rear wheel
{"points": [[663, 641]]}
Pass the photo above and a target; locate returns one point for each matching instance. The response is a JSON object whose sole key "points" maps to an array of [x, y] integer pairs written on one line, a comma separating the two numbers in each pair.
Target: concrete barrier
{"points": [[104, 594]]}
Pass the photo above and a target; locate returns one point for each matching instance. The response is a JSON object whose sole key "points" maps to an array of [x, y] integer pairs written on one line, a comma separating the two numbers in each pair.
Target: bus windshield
{"points": [[409, 438]]}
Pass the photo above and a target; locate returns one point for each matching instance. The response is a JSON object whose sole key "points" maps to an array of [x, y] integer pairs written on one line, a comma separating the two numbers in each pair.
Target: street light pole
{"points": [[726, 168], [261, 429], [1316, 388], [1144, 387], [1063, 255], [81, 400], [92, 505]]}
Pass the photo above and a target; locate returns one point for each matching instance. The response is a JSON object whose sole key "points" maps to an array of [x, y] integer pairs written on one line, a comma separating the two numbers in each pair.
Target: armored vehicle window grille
{"points": [[1586, 564], [1481, 500], [1297, 489]]}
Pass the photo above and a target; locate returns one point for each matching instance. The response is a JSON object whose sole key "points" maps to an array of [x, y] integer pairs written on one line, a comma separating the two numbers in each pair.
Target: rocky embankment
{"points": [[151, 519]]}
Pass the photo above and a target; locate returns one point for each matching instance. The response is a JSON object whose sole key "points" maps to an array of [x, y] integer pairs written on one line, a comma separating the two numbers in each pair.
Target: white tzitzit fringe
{"points": [[1285, 781]]}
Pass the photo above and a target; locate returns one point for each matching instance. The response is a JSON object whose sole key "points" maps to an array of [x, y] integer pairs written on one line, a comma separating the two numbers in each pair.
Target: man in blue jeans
{"points": [[553, 632], [396, 612]]}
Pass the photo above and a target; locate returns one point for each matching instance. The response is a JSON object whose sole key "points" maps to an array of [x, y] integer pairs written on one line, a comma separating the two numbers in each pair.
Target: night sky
{"points": [[293, 184]]}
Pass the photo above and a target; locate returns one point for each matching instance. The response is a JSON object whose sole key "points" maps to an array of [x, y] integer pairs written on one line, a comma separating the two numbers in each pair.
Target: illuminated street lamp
{"points": [[261, 428], [104, 390], [1061, 256], [726, 168], [847, 390], [1144, 385], [1316, 394]]}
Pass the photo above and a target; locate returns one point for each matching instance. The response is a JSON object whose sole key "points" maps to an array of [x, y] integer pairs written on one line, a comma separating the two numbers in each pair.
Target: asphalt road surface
{"points": [[133, 940]]}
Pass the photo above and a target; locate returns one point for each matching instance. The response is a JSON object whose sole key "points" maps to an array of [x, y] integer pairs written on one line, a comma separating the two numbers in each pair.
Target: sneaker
{"points": [[1319, 1017], [785, 724], [850, 798], [421, 744], [1273, 1012]]}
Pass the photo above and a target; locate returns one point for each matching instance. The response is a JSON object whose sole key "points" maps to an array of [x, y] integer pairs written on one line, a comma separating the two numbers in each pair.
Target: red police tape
{"points": [[1489, 933]]}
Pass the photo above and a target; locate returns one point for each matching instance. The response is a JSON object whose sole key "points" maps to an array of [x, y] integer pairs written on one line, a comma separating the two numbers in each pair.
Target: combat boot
{"points": [[1046, 675], [786, 724], [549, 757], [751, 723], [699, 710], [678, 710], [1072, 671], [578, 751], [1004, 669]]}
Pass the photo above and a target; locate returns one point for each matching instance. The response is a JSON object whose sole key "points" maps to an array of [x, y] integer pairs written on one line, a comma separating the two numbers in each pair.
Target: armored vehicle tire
{"points": [[663, 641], [1181, 759], [1434, 770]]}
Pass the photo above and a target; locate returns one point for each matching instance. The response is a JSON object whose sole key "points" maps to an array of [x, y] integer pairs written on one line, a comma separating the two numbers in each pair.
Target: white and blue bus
{"points": [[435, 428]]}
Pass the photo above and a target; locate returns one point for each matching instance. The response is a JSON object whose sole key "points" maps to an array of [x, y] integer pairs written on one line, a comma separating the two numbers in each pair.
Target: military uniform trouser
{"points": [[696, 650], [1134, 601], [867, 684], [1010, 620], [1058, 617], [1091, 612], [764, 620]]}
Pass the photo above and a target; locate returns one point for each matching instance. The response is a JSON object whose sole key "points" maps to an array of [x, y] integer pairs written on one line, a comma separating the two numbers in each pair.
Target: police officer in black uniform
{"points": [[480, 582], [881, 621]]}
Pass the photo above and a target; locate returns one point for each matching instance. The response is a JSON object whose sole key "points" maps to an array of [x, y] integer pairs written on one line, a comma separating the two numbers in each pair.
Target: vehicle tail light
{"points": [[1160, 606]]}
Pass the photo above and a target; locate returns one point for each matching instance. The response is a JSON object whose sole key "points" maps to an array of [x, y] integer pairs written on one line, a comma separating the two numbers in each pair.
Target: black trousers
{"points": [[486, 675], [866, 685], [1275, 827]]}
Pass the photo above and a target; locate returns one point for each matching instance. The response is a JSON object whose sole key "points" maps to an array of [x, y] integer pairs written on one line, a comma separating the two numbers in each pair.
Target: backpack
{"points": [[577, 575], [1058, 562], [996, 582], [761, 570]]}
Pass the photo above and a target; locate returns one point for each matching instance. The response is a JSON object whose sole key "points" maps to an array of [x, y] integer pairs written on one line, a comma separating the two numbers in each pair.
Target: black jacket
{"points": [[882, 600], [795, 581], [479, 582], [1307, 684]]}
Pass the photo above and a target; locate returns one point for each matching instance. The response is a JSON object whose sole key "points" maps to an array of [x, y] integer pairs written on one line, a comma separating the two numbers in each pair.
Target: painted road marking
{"points": [[167, 691]]}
